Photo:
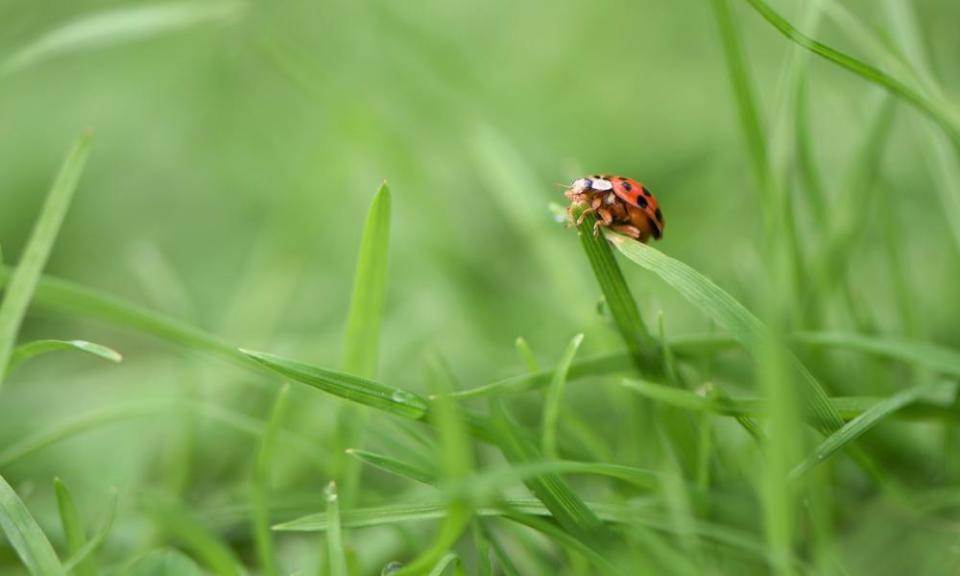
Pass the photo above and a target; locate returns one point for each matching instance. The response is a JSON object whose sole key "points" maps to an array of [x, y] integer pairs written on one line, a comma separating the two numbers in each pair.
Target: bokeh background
{"points": [[235, 158]]}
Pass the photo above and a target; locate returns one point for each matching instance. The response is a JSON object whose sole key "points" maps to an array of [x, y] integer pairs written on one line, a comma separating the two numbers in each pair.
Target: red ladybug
{"points": [[621, 204]]}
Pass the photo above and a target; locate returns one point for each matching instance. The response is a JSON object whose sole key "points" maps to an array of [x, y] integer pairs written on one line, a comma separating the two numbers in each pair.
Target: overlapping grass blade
{"points": [[862, 423], [450, 559], [29, 350], [25, 536], [554, 399], [353, 388], [19, 291], [80, 558], [119, 26], [73, 530], [941, 112]]}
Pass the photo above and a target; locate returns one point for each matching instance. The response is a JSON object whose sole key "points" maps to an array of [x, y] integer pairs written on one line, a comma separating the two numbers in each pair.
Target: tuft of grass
{"points": [[19, 290]]}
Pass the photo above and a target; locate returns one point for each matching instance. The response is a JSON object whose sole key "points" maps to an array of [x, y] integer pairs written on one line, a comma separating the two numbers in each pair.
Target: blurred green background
{"points": [[235, 157]]}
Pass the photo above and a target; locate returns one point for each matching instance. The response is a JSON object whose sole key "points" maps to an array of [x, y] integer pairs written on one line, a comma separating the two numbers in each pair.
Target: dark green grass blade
{"points": [[118, 27], [25, 536], [729, 314], [353, 388], [32, 349], [19, 291], [73, 531], [864, 422], [618, 297], [940, 112]]}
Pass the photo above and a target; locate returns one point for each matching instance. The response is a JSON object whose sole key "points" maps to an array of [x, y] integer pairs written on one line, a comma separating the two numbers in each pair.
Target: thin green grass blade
{"points": [[394, 466], [73, 531], [195, 537], [940, 112], [362, 343], [261, 484], [336, 555], [31, 349], [80, 558], [618, 297], [118, 26], [21, 286], [920, 354], [164, 563], [554, 399], [450, 559], [862, 423], [526, 353], [25, 536], [347, 386], [729, 314]]}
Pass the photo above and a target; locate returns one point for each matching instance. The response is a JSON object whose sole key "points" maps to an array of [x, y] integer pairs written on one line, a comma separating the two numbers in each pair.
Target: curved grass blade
{"points": [[554, 399], [449, 559], [73, 530], [261, 484], [921, 354], [526, 353], [862, 423], [27, 351], [353, 388], [118, 27], [19, 291], [940, 112], [729, 314], [26, 537]]}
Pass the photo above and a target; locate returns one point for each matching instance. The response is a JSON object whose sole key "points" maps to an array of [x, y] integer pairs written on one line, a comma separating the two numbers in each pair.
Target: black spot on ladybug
{"points": [[596, 177], [641, 202], [645, 191], [659, 215], [655, 228], [627, 186]]}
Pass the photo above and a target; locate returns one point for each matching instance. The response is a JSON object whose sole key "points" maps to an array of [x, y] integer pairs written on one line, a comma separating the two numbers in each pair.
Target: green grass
{"points": [[317, 381]]}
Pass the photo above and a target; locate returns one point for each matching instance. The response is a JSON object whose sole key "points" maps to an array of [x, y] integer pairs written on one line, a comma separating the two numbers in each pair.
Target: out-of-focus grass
{"points": [[802, 274]]}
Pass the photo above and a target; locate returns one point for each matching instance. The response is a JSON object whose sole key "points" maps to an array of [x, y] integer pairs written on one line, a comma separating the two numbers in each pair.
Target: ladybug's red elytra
{"points": [[621, 204]]}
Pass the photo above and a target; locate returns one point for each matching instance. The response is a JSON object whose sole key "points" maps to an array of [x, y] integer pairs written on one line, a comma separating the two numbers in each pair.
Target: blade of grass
{"points": [[20, 290], [394, 466], [554, 399], [31, 349], [618, 297], [261, 484], [940, 112], [526, 353], [80, 558], [729, 314], [72, 526], [920, 354], [353, 388], [861, 424], [449, 559], [336, 555], [194, 536], [118, 27], [25, 536]]}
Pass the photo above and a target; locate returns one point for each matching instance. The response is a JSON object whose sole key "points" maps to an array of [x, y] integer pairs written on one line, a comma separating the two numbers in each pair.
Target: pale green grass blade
{"points": [[336, 555], [941, 112], [526, 353], [362, 343], [25, 536], [347, 386], [31, 349], [554, 400], [394, 466], [616, 292], [19, 291], [727, 313], [164, 563], [80, 558], [261, 484], [73, 530], [862, 423], [119, 26]]}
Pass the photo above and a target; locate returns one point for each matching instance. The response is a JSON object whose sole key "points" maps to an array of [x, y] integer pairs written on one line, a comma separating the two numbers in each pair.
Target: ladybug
{"points": [[621, 204]]}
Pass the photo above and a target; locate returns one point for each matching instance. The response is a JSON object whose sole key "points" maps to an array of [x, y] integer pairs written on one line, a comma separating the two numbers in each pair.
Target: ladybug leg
{"points": [[627, 230], [606, 219], [591, 208]]}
